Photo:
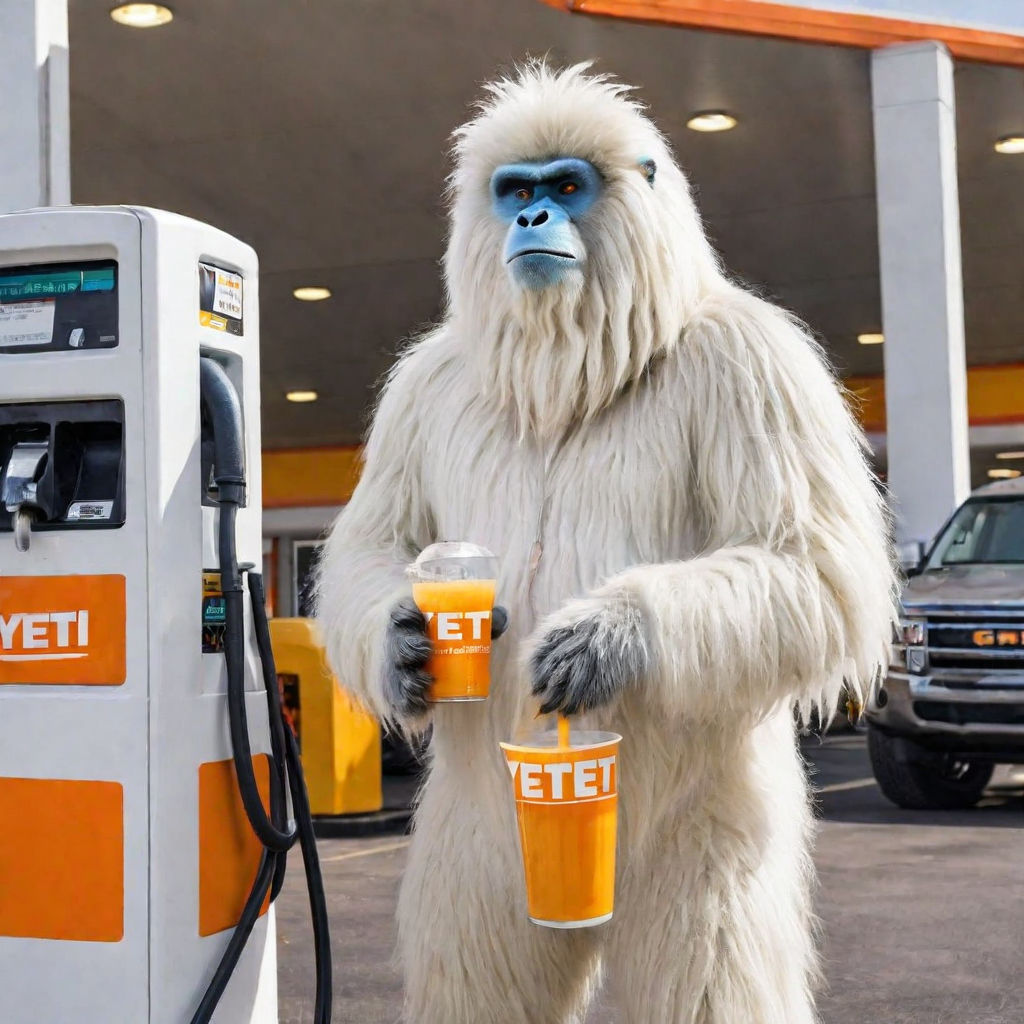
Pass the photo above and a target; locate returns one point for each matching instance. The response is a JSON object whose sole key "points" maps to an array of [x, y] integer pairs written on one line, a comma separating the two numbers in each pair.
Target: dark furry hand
{"points": [[408, 648], [589, 652], [499, 621]]}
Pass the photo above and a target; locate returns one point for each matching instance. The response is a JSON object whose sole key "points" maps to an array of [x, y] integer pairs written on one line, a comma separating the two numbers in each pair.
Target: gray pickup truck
{"points": [[952, 704]]}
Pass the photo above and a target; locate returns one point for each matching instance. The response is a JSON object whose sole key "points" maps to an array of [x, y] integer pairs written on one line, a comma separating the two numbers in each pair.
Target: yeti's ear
{"points": [[650, 168]]}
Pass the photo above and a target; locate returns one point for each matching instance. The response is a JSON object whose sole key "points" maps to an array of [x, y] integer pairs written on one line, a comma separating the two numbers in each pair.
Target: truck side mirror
{"points": [[910, 555]]}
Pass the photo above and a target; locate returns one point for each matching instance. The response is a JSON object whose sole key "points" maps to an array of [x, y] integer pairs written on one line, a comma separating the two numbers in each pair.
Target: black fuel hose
{"points": [[220, 403], [239, 937], [221, 406]]}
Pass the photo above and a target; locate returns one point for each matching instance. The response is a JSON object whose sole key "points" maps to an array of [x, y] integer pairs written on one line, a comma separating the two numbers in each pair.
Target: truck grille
{"points": [[989, 640], [969, 714]]}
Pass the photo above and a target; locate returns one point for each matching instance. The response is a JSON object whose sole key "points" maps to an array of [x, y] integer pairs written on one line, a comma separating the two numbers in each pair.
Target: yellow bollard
{"points": [[340, 742]]}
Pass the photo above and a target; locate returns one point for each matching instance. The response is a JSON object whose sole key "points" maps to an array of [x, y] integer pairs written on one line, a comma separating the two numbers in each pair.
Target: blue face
{"points": [[541, 201]]}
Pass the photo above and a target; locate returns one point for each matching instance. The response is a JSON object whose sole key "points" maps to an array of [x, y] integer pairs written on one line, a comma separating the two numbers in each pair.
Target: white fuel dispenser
{"points": [[144, 792]]}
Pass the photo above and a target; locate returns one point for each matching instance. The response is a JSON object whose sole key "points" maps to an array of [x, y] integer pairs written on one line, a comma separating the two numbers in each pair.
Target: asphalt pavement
{"points": [[922, 913]]}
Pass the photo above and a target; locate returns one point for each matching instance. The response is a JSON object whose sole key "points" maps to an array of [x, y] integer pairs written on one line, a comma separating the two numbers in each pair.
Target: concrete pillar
{"points": [[35, 155], [922, 287]]}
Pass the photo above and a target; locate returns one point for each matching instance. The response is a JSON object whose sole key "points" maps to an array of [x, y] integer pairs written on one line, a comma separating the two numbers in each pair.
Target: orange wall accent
{"points": [[62, 860], [304, 477], [759, 17], [867, 397], [995, 395], [229, 852], [300, 477]]}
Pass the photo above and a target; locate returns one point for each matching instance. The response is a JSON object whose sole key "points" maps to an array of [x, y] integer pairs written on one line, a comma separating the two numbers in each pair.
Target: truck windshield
{"points": [[984, 531]]}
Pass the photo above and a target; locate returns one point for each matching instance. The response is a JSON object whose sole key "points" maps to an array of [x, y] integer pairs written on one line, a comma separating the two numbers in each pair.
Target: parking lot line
{"points": [[839, 787], [365, 853]]}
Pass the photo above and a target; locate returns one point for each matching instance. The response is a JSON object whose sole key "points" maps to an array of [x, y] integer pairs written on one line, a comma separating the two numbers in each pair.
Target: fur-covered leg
{"points": [[469, 953], [712, 923]]}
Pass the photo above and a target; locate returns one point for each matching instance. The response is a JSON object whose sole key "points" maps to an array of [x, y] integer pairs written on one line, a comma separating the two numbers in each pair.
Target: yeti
{"points": [[693, 552]]}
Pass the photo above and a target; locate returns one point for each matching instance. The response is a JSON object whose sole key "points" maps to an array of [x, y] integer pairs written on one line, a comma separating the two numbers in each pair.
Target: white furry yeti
{"points": [[690, 542]]}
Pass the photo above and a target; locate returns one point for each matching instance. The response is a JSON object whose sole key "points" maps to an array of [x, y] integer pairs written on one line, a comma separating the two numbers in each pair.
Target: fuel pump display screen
{"points": [[58, 307], [220, 299]]}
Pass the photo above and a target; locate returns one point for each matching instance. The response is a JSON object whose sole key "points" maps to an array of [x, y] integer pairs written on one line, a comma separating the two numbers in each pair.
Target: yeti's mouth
{"points": [[541, 252]]}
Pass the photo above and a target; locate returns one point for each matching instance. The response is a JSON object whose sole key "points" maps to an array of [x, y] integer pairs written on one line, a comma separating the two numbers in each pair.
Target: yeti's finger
{"points": [[557, 646], [406, 615], [556, 684], [581, 685], [411, 650], [499, 621], [554, 700], [406, 689], [593, 683]]}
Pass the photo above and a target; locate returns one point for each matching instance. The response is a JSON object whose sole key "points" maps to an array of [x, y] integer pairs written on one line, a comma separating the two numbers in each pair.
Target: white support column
{"points": [[35, 154], [922, 287]]}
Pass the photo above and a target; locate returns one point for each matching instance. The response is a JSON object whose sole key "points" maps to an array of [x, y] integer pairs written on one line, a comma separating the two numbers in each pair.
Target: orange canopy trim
{"points": [[788, 21]]}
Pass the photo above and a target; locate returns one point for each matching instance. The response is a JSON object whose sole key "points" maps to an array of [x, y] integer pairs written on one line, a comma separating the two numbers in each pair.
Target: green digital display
{"points": [[23, 285]]}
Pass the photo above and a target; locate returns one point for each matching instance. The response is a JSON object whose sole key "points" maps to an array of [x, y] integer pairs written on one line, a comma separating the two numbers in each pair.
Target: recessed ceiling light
{"points": [[1010, 455], [870, 339], [711, 121], [312, 293], [142, 15], [1004, 474], [301, 396], [1010, 144]]}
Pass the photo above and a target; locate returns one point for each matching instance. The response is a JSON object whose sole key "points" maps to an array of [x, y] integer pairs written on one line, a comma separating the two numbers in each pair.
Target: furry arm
{"points": [[792, 592], [361, 578]]}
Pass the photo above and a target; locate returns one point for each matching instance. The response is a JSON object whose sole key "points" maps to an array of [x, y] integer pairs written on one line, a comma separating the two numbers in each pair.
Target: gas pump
{"points": [[149, 788]]}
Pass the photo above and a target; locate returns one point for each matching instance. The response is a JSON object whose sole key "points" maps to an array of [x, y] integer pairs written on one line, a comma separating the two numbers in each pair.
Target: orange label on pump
{"points": [[62, 630]]}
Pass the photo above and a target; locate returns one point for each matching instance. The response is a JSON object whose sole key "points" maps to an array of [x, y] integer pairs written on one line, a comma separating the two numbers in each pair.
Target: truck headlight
{"points": [[913, 632], [907, 650]]}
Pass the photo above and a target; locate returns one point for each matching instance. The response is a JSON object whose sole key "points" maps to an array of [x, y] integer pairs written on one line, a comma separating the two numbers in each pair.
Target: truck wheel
{"points": [[923, 780]]}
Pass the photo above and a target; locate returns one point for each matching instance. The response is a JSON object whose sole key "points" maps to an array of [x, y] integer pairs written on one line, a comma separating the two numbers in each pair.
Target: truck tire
{"points": [[922, 780]]}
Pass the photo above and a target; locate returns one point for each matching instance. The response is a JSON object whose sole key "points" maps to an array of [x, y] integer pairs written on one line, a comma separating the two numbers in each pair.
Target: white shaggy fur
{"points": [[660, 439]]}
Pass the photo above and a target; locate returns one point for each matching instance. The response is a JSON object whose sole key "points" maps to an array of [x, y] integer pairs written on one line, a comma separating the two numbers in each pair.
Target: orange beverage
{"points": [[458, 616], [566, 805]]}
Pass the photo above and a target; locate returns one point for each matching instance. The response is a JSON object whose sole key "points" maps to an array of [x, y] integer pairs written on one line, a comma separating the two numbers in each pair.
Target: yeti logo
{"points": [[44, 636], [564, 781], [63, 629], [450, 625]]}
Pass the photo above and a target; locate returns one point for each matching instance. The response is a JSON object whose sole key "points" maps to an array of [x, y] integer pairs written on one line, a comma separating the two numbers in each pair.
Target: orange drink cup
{"points": [[566, 805], [454, 585]]}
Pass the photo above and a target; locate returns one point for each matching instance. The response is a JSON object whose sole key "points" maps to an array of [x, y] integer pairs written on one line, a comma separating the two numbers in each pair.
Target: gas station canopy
{"points": [[318, 133]]}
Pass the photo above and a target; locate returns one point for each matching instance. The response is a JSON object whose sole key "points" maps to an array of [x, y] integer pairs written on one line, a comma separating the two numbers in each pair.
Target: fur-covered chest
{"points": [[611, 493]]}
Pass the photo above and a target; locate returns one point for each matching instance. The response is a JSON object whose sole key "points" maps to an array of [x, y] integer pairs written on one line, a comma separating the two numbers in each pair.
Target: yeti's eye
{"points": [[568, 187], [524, 193]]}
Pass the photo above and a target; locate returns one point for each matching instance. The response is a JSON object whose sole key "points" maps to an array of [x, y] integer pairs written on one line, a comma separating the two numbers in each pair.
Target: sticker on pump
{"points": [[89, 511], [214, 613], [220, 299], [26, 323], [62, 630]]}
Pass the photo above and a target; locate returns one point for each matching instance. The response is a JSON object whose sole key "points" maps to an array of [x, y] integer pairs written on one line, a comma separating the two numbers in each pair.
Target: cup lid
{"points": [[454, 560], [580, 739]]}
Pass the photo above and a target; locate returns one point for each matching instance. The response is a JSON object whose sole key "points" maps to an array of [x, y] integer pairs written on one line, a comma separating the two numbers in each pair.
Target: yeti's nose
{"points": [[524, 222]]}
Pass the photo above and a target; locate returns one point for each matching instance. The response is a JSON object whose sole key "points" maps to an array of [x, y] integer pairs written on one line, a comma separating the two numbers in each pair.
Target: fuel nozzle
{"points": [[19, 488]]}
